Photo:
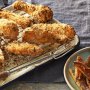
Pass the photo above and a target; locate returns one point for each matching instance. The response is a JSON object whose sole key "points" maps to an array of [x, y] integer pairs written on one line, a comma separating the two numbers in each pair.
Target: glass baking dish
{"points": [[24, 66]]}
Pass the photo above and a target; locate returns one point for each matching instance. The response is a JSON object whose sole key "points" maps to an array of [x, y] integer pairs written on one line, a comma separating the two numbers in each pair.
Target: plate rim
{"points": [[66, 63]]}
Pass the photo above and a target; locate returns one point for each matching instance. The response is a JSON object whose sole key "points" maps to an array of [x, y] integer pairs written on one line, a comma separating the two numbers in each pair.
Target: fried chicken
{"points": [[19, 48], [20, 20], [40, 13], [8, 29], [49, 33], [1, 58]]}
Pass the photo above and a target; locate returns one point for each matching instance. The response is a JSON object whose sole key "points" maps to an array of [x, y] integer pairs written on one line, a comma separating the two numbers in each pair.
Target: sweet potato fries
{"points": [[81, 74]]}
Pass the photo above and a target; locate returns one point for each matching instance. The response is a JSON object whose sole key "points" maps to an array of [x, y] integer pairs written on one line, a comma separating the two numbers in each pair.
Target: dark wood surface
{"points": [[36, 86]]}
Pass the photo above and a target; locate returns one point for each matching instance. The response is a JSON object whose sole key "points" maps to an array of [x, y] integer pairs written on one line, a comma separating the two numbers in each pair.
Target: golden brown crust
{"points": [[40, 13], [24, 49], [8, 29], [49, 33], [20, 20], [1, 58]]}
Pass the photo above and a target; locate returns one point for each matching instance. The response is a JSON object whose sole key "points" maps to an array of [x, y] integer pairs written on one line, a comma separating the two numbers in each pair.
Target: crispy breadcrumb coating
{"points": [[20, 20], [8, 29], [1, 58], [40, 13], [24, 49], [49, 33]]}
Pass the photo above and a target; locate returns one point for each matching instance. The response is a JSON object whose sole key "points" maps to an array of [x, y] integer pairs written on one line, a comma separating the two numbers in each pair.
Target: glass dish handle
{"points": [[56, 56]]}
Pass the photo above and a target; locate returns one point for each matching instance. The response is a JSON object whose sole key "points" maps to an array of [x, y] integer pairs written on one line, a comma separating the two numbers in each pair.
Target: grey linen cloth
{"points": [[74, 12], [1, 4]]}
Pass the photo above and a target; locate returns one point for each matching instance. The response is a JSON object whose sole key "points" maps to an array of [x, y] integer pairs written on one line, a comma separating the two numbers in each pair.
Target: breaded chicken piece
{"points": [[49, 33], [20, 20], [8, 29], [1, 58], [24, 49], [40, 13]]}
